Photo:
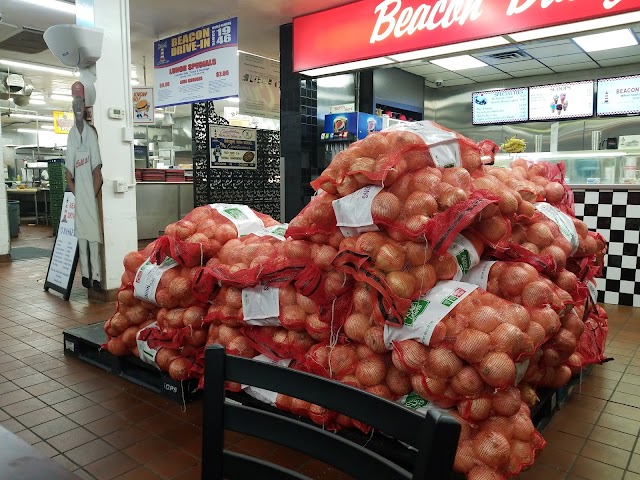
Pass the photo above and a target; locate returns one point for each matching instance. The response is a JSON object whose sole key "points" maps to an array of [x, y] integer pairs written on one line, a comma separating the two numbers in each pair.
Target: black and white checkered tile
{"points": [[615, 215]]}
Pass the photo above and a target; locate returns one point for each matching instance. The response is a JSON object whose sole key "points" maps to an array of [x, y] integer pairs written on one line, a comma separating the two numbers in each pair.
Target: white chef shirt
{"points": [[83, 157]]}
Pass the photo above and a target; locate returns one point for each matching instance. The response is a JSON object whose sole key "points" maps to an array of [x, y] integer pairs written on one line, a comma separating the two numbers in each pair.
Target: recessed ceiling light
{"points": [[134, 82], [346, 67], [606, 40], [462, 62], [62, 98], [569, 28], [38, 68], [449, 49], [134, 74], [36, 101], [54, 5]]}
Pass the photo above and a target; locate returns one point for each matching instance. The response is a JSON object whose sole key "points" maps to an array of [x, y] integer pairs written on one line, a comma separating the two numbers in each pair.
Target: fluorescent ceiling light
{"points": [[38, 68], [65, 7], [576, 27], [30, 130], [47, 127], [346, 67], [449, 49], [462, 62], [606, 40], [62, 98], [134, 74], [36, 101], [31, 116], [37, 95], [134, 82], [233, 99], [256, 55], [158, 116]]}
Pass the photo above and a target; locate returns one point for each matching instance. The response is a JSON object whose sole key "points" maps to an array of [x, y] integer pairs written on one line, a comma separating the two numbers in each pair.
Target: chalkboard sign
{"points": [[64, 258]]}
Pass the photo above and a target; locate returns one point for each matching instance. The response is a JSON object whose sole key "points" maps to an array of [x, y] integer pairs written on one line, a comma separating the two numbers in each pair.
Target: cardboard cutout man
{"points": [[84, 178]]}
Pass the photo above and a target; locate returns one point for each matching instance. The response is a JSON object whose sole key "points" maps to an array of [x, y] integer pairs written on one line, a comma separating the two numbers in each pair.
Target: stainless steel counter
{"points": [[161, 203]]}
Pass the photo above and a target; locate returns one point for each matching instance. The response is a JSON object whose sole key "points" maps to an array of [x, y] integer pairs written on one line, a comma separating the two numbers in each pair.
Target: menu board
{"points": [[618, 96], [500, 106], [561, 100]]}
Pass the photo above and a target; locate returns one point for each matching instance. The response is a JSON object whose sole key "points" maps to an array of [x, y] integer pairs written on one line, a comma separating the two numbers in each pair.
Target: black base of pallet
{"points": [[85, 343]]}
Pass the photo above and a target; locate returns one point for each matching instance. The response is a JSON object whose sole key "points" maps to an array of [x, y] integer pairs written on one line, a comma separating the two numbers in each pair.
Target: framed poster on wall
{"points": [[233, 147], [143, 108]]}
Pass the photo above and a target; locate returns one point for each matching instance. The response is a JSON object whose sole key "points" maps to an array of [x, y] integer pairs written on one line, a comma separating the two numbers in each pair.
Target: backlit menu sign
{"points": [[500, 106], [561, 100], [618, 96]]}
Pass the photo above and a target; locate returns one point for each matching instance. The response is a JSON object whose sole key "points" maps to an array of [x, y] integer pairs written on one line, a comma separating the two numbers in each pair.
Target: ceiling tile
{"points": [[554, 50], [425, 69], [446, 75], [491, 78], [571, 67], [616, 53], [566, 59], [519, 66], [544, 43], [481, 71], [531, 73], [610, 62]]}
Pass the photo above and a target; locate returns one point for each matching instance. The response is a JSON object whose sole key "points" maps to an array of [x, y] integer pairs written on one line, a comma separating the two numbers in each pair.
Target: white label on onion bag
{"points": [[479, 275], [283, 362], [593, 291], [277, 231], [564, 222], [148, 277], [266, 396], [521, 370], [353, 212], [145, 352], [242, 217], [443, 146], [261, 306], [428, 311], [465, 254]]}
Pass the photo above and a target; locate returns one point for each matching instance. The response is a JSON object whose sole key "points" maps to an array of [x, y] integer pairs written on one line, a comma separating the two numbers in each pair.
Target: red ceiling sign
{"points": [[376, 28]]}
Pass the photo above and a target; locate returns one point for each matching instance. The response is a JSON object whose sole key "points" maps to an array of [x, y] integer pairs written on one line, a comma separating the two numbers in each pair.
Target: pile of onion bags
{"points": [[196, 238]]}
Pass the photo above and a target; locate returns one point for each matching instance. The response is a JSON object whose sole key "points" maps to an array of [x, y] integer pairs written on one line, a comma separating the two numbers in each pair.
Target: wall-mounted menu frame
{"points": [[561, 101], [618, 96], [509, 105]]}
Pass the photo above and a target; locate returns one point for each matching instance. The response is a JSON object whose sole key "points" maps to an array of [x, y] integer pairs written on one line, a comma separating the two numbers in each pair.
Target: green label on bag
{"points": [[235, 213], [415, 401], [464, 261], [417, 308]]}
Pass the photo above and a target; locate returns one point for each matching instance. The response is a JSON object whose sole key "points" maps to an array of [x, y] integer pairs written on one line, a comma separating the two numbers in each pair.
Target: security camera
{"points": [[439, 83]]}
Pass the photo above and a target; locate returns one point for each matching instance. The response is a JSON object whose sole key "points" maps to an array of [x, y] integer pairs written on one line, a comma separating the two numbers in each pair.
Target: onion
{"points": [[540, 235], [180, 287], [471, 345], [385, 207], [536, 294], [300, 342], [306, 303], [125, 297], [193, 317], [316, 328], [554, 192], [319, 355], [581, 227], [523, 452], [451, 197], [563, 341], [323, 256], [496, 423], [465, 458], [374, 339], [356, 326], [476, 409], [348, 186], [428, 387], [179, 368], [286, 296], [420, 203], [362, 301], [133, 261], [506, 402], [196, 338], [175, 318], [574, 324], [226, 232], [426, 278], [508, 203], [241, 347], [485, 319], [226, 334], [293, 317], [566, 280], [371, 371], [369, 243], [439, 334], [497, 369], [363, 351], [401, 284], [523, 428], [551, 358], [390, 257], [558, 256], [443, 363], [342, 360], [398, 382], [493, 229], [508, 339], [467, 382], [137, 314], [417, 254], [401, 188], [335, 283], [381, 391], [320, 415], [351, 380], [165, 356], [445, 266], [129, 336], [297, 249], [513, 279], [409, 355], [119, 323], [547, 318], [117, 347], [491, 448], [457, 177]]}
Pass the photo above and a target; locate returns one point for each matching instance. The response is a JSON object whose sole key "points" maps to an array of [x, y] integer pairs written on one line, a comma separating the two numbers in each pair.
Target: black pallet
{"points": [[542, 413], [85, 343]]}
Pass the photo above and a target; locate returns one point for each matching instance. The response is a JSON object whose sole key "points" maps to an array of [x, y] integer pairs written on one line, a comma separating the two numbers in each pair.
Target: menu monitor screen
{"points": [[618, 96], [500, 106], [561, 101]]}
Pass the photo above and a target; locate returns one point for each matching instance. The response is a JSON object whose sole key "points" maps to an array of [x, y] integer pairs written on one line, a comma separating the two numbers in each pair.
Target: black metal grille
{"points": [[259, 188]]}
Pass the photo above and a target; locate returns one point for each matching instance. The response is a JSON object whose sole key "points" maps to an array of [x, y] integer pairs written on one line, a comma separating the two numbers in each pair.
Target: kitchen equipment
{"points": [[596, 139]]}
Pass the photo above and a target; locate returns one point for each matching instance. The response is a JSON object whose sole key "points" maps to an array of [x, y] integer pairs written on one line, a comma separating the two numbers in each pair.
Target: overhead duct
{"points": [[17, 87], [21, 39]]}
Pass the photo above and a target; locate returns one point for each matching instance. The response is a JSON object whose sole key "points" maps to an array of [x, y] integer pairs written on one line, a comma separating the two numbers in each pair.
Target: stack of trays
{"points": [[175, 175], [153, 175], [138, 174]]}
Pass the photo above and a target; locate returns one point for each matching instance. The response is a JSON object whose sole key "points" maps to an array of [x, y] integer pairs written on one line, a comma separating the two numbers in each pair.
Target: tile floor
{"points": [[105, 428]]}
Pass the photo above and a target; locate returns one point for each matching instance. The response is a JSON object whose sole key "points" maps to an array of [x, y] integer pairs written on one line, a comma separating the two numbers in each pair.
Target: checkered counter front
{"points": [[615, 215]]}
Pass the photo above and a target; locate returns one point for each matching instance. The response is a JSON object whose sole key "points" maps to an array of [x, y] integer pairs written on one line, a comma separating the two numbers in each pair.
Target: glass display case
{"points": [[598, 167]]}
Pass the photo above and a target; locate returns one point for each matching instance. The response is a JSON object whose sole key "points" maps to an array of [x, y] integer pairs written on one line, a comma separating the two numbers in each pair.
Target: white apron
{"points": [[83, 157]]}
